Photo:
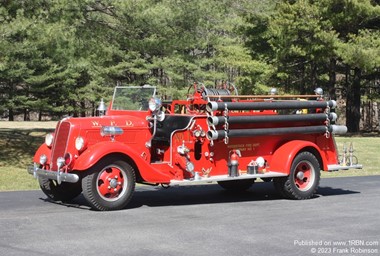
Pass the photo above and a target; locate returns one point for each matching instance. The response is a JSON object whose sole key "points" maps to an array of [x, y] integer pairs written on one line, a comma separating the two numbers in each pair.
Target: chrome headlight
{"points": [[43, 159], [49, 139], [79, 143], [154, 104]]}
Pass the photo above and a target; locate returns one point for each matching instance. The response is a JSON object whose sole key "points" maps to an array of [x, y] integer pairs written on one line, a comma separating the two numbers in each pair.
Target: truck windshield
{"points": [[132, 97]]}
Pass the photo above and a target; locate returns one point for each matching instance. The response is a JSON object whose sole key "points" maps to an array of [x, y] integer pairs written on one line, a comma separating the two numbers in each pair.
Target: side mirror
{"points": [[155, 105]]}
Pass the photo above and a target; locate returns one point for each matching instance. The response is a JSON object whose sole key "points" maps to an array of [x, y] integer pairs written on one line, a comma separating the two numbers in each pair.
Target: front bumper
{"points": [[53, 175]]}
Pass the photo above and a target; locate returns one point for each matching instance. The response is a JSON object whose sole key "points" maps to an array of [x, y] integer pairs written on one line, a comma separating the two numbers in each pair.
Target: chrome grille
{"points": [[60, 143]]}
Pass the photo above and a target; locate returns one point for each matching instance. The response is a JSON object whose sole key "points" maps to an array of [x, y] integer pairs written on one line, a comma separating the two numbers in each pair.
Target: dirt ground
{"points": [[28, 125]]}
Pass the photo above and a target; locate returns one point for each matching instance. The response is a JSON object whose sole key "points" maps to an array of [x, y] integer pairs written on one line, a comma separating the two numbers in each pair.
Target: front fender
{"points": [[96, 152], [42, 150], [283, 157]]}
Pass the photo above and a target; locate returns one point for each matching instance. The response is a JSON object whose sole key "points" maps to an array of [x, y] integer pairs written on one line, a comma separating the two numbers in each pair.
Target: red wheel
{"points": [[303, 181], [109, 185], [304, 175]]}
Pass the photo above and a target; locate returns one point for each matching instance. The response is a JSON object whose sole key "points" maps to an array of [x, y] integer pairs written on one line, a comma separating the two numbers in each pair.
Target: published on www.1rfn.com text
{"points": [[340, 247]]}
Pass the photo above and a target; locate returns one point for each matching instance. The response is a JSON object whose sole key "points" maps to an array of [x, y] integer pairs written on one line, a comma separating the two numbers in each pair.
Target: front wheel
{"points": [[59, 192], [303, 180], [109, 184]]}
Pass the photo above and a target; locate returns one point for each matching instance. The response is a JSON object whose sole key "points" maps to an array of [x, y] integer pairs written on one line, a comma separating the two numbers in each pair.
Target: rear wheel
{"points": [[236, 185], [303, 181], [59, 192], [109, 185]]}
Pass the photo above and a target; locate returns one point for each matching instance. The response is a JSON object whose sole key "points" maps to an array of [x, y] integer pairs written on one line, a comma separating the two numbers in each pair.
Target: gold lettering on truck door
{"points": [[128, 123], [95, 123]]}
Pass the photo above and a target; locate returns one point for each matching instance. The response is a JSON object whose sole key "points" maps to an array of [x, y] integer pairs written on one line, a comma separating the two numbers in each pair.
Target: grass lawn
{"points": [[366, 149], [17, 148], [20, 140]]}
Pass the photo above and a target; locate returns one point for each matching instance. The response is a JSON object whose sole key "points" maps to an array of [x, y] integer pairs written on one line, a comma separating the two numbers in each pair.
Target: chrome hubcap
{"points": [[300, 175]]}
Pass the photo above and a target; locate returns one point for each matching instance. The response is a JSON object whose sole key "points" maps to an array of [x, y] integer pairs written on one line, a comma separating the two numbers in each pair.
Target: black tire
{"points": [[237, 185], [59, 192], [303, 181], [109, 185]]}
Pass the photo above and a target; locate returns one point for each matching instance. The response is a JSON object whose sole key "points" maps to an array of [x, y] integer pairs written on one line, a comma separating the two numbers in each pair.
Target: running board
{"points": [[225, 178], [337, 167]]}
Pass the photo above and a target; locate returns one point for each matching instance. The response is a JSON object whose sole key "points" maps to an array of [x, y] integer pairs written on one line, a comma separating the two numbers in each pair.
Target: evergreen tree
{"points": [[357, 47], [312, 42]]}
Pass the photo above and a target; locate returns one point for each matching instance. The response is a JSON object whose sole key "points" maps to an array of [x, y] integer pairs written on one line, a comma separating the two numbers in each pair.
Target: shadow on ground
{"points": [[201, 194], [18, 146]]}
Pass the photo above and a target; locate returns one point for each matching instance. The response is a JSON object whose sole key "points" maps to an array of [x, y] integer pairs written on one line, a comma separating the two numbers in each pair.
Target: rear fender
{"points": [[283, 157], [100, 150]]}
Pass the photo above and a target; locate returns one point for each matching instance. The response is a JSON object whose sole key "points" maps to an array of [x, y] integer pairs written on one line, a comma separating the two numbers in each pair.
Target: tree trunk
{"points": [[353, 102], [314, 76], [93, 109], [11, 114], [83, 109], [302, 88], [75, 110], [332, 79], [26, 115]]}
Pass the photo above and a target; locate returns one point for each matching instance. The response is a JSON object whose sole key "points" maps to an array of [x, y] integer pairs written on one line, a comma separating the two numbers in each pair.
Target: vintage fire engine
{"points": [[215, 135]]}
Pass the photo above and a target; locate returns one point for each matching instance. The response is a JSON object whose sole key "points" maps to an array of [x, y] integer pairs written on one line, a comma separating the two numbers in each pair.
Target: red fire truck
{"points": [[215, 135]]}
